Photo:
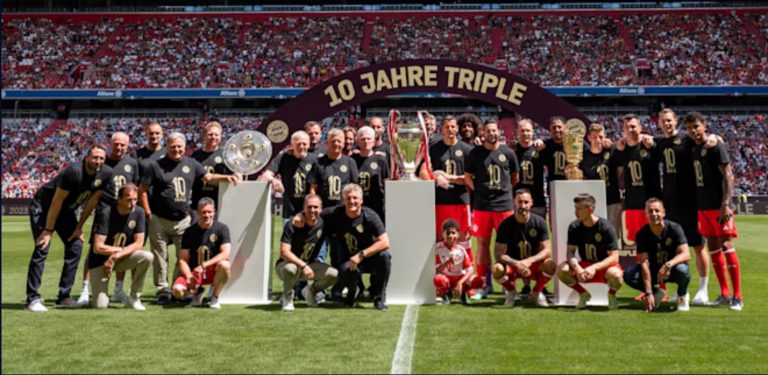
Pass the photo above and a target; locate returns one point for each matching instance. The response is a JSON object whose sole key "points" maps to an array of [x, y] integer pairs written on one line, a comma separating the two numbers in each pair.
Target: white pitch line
{"points": [[401, 361]]}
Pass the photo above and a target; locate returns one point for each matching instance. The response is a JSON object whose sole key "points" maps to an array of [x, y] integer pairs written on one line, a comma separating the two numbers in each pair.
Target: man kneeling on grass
{"points": [[204, 257], [299, 252], [113, 227]]}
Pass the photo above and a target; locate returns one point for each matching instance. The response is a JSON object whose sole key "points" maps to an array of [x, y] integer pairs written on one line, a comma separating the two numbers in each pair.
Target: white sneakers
{"points": [[509, 301], [539, 299], [701, 298], [682, 303], [118, 296], [36, 306], [287, 305], [215, 304], [134, 304], [84, 300]]}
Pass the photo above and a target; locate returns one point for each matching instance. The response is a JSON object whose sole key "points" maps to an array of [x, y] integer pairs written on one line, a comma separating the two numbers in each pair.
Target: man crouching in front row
{"points": [[204, 257]]}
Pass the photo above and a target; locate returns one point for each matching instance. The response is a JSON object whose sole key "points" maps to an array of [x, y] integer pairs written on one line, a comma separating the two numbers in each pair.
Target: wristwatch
{"points": [[361, 254], [668, 265]]}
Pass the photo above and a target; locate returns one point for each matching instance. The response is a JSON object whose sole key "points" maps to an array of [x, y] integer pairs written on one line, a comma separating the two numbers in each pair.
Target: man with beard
{"points": [[451, 195], [469, 124], [53, 210], [490, 171], [117, 241], [714, 189]]}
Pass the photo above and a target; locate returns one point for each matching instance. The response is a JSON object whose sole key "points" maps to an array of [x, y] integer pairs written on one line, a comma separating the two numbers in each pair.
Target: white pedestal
{"points": [[245, 209], [410, 208], [562, 213]]}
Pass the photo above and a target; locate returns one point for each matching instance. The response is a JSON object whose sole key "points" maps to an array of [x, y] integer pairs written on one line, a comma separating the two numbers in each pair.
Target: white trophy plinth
{"points": [[245, 209], [410, 210], [562, 213]]}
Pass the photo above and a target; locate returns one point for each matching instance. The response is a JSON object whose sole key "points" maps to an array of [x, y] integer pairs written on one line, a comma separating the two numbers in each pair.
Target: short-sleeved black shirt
{"points": [[709, 178], [602, 166], [77, 182], [372, 171], [641, 176], [660, 249], [204, 244], [172, 184], [305, 242], [352, 235], [331, 176], [293, 173], [213, 162], [531, 173], [677, 177], [554, 159], [492, 170], [119, 230], [522, 239], [593, 242], [124, 171], [451, 160]]}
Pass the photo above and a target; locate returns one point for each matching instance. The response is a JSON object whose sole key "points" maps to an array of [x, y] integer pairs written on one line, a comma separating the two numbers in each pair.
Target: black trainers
{"points": [[380, 305], [525, 291], [163, 298], [464, 298], [547, 293]]}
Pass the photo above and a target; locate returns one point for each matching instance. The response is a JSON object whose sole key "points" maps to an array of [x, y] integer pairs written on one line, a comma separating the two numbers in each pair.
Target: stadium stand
{"points": [[711, 47]]}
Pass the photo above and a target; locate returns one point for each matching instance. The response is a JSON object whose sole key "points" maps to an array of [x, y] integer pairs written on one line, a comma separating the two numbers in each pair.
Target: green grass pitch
{"points": [[482, 338]]}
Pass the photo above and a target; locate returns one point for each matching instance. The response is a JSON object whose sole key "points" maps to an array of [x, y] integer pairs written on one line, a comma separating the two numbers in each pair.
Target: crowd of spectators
{"points": [[24, 171], [694, 49], [300, 51], [558, 50], [460, 38]]}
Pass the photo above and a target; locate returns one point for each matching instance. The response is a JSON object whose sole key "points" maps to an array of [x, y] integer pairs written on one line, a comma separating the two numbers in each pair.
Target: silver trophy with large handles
{"points": [[246, 210], [409, 146]]}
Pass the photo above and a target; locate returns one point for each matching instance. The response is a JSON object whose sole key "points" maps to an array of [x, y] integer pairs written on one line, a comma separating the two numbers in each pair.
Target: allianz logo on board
{"points": [[109, 93], [632, 90], [239, 93]]}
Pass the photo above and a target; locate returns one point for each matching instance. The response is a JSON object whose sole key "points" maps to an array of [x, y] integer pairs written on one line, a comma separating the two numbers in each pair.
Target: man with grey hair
{"points": [[168, 209], [332, 171], [289, 171], [373, 169], [362, 246]]}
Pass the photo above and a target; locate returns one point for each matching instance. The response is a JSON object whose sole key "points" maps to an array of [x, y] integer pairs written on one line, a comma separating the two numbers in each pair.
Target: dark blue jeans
{"points": [[64, 227], [679, 275]]}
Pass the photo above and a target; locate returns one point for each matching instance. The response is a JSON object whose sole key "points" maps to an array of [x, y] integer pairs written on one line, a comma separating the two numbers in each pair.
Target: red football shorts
{"points": [[485, 222], [633, 222], [535, 272], [709, 227], [599, 275], [444, 283], [206, 278], [458, 212]]}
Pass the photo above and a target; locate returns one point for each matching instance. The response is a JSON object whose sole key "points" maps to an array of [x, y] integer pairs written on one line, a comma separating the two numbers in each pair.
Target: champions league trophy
{"points": [[410, 147], [246, 210], [575, 130], [410, 215]]}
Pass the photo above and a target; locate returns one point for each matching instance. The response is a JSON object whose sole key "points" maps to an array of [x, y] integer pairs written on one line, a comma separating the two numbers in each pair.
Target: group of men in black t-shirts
{"points": [[333, 204], [155, 192]]}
